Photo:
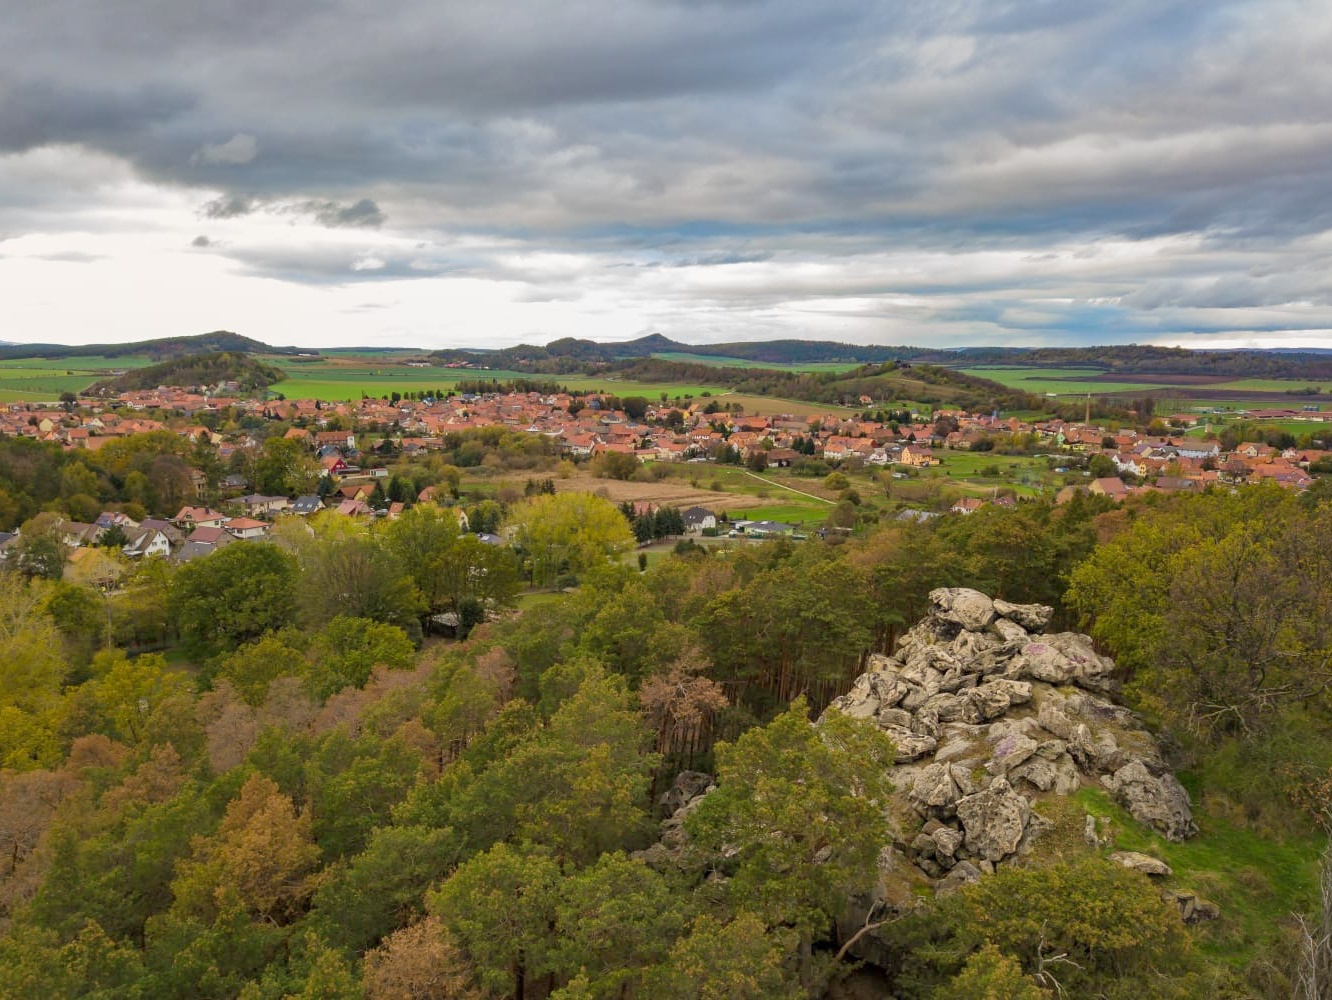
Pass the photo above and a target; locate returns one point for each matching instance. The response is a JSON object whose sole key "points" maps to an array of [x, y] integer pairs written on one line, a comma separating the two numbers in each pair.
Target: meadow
{"points": [[1060, 381]]}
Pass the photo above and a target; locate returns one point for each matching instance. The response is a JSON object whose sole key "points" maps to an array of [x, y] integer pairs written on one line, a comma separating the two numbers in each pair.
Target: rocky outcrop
{"points": [[989, 717]]}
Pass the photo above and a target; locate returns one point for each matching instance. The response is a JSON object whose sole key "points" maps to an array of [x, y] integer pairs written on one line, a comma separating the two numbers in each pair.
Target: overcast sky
{"points": [[478, 173]]}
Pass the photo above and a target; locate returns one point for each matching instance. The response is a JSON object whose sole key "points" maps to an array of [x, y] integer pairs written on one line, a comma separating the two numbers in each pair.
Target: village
{"points": [[355, 443]]}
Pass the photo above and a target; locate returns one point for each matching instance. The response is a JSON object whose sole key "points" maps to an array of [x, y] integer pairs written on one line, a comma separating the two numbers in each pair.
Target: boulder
{"points": [[1041, 661], [946, 841], [687, 786], [1192, 908], [1009, 752], [1008, 631], [1037, 772], [909, 746], [994, 820], [1019, 692], [1030, 616], [934, 788], [1157, 799], [1144, 863], [962, 606], [989, 701]]}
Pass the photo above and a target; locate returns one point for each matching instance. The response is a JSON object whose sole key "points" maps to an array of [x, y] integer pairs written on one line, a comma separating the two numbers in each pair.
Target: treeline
{"points": [[931, 385], [317, 809]]}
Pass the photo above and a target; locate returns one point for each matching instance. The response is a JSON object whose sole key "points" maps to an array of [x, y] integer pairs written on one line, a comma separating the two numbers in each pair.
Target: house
{"points": [[1108, 486], [202, 542], [257, 503], [967, 505], [307, 504], [332, 465], [145, 542], [199, 517], [698, 519], [355, 491], [353, 508], [916, 456], [233, 482], [247, 527]]}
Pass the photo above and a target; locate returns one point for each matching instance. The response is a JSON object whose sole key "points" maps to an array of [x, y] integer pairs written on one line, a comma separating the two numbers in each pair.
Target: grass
{"points": [[1060, 381], [1258, 882], [788, 513]]}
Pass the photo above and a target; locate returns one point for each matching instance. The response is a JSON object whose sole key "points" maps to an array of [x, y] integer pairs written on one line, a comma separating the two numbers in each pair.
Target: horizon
{"points": [[1039, 175]]}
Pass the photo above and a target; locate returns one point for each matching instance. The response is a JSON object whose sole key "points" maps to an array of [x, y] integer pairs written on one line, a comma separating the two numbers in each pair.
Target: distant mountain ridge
{"points": [[168, 347], [569, 355]]}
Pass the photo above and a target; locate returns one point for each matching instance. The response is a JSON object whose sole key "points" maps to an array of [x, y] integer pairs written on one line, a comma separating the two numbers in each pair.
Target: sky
{"points": [[481, 173]]}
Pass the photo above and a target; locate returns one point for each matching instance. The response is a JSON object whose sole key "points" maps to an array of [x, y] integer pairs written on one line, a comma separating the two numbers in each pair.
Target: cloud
{"points": [[229, 206], [363, 213], [723, 168], [201, 241], [240, 149]]}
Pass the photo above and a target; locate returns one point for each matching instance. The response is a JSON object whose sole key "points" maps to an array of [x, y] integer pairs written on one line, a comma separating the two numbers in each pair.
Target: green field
{"points": [[1279, 385], [1060, 381], [40, 380]]}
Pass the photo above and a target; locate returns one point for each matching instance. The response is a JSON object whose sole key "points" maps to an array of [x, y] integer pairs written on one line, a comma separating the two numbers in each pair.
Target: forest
{"points": [[256, 775]]}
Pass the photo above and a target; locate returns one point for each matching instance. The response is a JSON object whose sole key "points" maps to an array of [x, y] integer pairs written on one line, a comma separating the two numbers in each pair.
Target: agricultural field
{"points": [[719, 362], [40, 380], [1060, 381]]}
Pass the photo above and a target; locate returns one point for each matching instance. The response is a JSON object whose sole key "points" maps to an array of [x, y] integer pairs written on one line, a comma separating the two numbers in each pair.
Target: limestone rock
{"points": [[909, 746], [1158, 800], [1042, 661], [946, 841], [994, 820], [1009, 752], [934, 788], [1031, 616], [1137, 862], [1008, 631], [962, 606], [687, 786]]}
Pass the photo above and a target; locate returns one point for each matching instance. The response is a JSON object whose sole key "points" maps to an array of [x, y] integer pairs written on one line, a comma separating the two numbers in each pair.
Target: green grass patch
{"points": [[787, 513], [1060, 381], [1258, 882]]}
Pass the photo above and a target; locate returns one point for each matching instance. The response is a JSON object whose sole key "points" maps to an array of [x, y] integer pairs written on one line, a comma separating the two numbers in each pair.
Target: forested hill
{"points": [[932, 384], [169, 347], [571, 355], [196, 369], [1144, 360]]}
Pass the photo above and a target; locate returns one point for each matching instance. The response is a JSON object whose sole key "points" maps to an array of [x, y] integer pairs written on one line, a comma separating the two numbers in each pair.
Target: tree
{"points": [[801, 811], [285, 468], [420, 962], [353, 575], [500, 906], [615, 921], [347, 649], [232, 596], [737, 960], [991, 975], [262, 856], [569, 532]]}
